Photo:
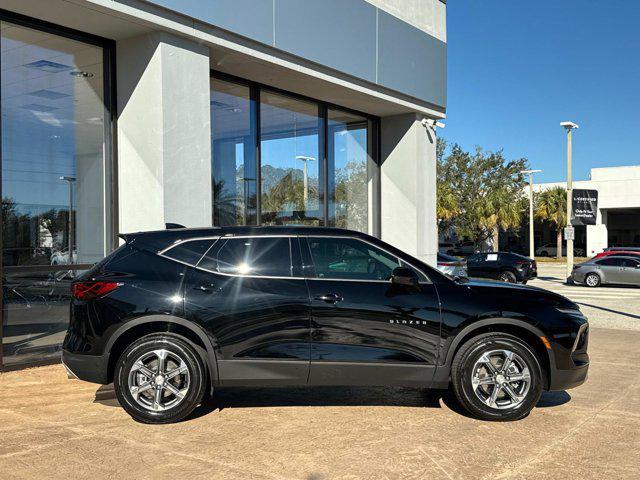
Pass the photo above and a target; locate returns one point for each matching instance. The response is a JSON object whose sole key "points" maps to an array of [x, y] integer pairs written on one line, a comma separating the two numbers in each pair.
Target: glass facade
{"points": [[291, 167], [315, 164], [233, 151], [54, 182]]}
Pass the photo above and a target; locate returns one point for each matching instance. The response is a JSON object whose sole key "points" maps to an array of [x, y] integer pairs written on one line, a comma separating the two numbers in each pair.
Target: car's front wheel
{"points": [[159, 378], [496, 376]]}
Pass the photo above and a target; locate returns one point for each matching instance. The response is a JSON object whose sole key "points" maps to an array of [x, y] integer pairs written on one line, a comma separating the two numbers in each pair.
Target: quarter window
{"points": [[257, 256], [189, 252]]}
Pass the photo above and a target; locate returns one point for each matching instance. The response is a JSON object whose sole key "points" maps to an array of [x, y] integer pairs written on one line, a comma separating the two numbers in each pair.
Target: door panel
{"points": [[369, 331], [261, 325]]}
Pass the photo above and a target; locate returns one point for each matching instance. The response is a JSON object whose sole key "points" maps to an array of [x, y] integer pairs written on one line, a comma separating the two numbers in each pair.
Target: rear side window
{"points": [[255, 256], [189, 252]]}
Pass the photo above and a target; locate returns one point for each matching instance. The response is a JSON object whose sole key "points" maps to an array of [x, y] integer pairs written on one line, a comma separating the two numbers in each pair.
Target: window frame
{"points": [[306, 268], [217, 238], [323, 108]]}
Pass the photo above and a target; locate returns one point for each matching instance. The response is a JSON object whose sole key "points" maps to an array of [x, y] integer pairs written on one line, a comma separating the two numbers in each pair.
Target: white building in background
{"points": [[618, 216]]}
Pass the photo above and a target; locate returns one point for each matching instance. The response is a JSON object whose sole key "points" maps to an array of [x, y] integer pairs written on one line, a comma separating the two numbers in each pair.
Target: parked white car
{"points": [[550, 250]]}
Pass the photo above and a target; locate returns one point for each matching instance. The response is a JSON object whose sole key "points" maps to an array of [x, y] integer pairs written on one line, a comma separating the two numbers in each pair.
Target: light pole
{"points": [[532, 250], [71, 181], [305, 160], [569, 127]]}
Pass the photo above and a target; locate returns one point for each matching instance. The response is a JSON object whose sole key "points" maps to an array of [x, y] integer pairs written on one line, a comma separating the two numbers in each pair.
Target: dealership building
{"points": [[617, 212], [126, 115]]}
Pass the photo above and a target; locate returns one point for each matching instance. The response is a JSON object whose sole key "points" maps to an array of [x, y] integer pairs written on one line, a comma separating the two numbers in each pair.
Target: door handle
{"points": [[329, 298]]}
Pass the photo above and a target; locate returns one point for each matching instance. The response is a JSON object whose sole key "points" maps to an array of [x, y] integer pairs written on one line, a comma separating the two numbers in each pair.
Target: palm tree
{"points": [[551, 206], [502, 209]]}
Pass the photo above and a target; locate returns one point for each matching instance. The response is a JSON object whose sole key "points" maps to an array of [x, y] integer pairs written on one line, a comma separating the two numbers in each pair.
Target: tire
{"points": [[189, 383], [508, 277], [592, 280], [477, 399]]}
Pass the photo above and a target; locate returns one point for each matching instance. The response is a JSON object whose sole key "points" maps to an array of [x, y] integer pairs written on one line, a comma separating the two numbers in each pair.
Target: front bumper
{"points": [[566, 379], [573, 370], [90, 368]]}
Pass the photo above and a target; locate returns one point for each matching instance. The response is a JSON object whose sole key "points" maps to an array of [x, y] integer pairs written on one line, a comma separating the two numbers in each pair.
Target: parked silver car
{"points": [[451, 266], [608, 270]]}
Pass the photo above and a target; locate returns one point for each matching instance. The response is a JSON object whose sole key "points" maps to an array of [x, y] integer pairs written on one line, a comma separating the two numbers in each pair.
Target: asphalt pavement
{"points": [[605, 306]]}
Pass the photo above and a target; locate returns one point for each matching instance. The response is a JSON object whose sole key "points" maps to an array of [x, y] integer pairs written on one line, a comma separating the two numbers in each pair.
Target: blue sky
{"points": [[518, 68]]}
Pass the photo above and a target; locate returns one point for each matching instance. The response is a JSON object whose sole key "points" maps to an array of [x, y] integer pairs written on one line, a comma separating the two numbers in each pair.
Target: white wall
{"points": [[164, 134], [408, 186]]}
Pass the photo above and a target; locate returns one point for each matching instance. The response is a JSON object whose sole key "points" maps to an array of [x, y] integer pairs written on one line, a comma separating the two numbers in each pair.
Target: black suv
{"points": [[505, 266], [172, 315]]}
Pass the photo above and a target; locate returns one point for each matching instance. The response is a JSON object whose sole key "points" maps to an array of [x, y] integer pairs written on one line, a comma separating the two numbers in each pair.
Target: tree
{"points": [[479, 193], [551, 206]]}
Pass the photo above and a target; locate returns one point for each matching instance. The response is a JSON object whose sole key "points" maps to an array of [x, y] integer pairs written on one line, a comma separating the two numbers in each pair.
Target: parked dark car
{"points": [[612, 269], [505, 266], [173, 315]]}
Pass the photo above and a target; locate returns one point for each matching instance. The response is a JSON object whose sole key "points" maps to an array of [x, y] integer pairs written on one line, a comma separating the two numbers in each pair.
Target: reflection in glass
{"points": [[348, 159], [35, 314], [53, 182], [233, 147], [53, 120], [291, 167]]}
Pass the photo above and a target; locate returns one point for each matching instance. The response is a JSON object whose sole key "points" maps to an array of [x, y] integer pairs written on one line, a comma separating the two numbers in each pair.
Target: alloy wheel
{"points": [[501, 379], [592, 280], [159, 380]]}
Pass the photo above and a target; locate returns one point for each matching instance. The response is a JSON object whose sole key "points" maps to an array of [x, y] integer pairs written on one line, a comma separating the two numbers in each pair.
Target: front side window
{"points": [[352, 259], [256, 256], [611, 262]]}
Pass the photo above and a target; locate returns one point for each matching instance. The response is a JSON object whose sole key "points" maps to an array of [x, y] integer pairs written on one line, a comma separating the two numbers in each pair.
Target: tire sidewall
{"points": [[154, 342], [464, 371]]}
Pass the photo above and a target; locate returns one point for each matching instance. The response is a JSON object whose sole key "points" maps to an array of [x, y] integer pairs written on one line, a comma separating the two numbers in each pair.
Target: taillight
{"points": [[89, 290], [446, 264]]}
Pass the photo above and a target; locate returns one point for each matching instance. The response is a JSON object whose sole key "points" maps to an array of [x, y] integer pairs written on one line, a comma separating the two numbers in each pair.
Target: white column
{"points": [[408, 186], [164, 134]]}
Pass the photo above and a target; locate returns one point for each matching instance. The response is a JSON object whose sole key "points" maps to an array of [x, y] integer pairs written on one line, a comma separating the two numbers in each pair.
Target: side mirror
{"points": [[404, 276]]}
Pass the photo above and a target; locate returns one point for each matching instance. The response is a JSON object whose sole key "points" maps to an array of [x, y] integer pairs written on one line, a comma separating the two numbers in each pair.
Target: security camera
{"points": [[430, 122]]}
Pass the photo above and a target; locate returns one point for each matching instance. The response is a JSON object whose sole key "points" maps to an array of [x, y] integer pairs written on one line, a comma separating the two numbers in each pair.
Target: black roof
{"points": [[159, 239]]}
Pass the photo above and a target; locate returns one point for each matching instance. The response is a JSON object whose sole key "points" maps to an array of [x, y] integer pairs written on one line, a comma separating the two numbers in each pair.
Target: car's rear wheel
{"points": [[592, 280], [496, 376], [508, 277], [159, 378]]}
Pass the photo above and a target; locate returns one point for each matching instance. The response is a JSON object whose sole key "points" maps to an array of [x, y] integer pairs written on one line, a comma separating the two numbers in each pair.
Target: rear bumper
{"points": [[90, 368]]}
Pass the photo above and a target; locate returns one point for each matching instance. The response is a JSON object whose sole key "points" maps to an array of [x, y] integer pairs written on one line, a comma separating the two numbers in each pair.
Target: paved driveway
{"points": [[55, 428]]}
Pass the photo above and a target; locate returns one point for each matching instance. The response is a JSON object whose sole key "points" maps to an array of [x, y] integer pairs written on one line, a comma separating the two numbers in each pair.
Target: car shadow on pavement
{"points": [[610, 310], [229, 398]]}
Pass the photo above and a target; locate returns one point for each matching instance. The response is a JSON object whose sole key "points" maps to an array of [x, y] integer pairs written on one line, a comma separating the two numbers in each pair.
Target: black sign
{"points": [[584, 207]]}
